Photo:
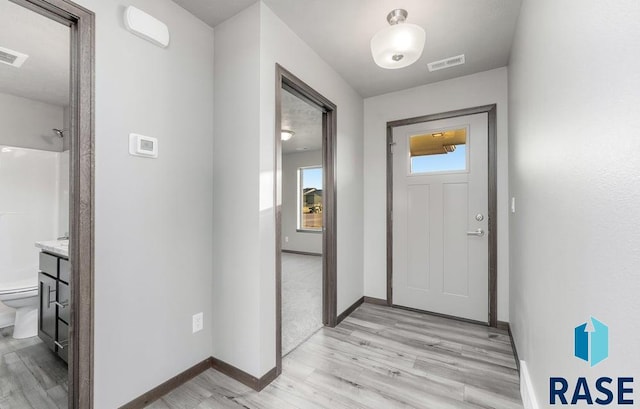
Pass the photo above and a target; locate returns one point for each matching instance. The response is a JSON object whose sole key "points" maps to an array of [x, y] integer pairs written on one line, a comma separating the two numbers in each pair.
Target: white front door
{"points": [[440, 221]]}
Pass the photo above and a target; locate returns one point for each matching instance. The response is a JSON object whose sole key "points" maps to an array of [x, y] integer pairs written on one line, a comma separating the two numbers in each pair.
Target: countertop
{"points": [[57, 247]]}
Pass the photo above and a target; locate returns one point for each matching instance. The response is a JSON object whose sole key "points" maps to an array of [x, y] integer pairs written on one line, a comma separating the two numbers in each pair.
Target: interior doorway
{"points": [[305, 212], [441, 214], [65, 293], [302, 219]]}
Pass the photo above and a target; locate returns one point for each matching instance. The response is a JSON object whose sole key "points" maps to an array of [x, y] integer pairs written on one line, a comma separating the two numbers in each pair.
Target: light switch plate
{"points": [[198, 322]]}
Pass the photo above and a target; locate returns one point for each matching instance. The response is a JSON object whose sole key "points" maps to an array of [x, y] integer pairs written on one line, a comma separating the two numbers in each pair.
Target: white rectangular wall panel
{"points": [[146, 26]]}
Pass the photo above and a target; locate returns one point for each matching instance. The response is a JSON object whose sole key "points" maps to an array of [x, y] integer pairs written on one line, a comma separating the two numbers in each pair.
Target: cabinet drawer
{"points": [[63, 301], [65, 270], [49, 264], [62, 344]]}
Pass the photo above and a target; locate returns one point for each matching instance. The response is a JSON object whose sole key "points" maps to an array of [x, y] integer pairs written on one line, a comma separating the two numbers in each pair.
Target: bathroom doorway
{"points": [[46, 203], [305, 216]]}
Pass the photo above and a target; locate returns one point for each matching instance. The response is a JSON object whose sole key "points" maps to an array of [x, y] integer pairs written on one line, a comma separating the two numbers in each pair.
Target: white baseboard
{"points": [[529, 400]]}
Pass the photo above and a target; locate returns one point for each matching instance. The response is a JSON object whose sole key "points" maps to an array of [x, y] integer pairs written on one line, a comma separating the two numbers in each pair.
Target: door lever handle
{"points": [[62, 344], [478, 233], [61, 305]]}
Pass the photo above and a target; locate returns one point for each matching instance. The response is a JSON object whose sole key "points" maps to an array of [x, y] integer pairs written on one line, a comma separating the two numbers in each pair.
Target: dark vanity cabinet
{"points": [[53, 322], [47, 321]]}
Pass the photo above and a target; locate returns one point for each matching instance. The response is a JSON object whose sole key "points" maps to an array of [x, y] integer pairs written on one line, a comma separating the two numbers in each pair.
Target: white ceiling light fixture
{"points": [[398, 45], [286, 134]]}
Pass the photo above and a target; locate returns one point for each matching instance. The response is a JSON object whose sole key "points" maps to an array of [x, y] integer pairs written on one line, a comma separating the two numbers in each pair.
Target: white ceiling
{"points": [[44, 76], [340, 32], [214, 12], [305, 120]]}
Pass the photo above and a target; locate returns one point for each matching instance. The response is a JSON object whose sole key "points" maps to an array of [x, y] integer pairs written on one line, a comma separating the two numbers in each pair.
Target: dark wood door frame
{"points": [[286, 80], [81, 204], [490, 110]]}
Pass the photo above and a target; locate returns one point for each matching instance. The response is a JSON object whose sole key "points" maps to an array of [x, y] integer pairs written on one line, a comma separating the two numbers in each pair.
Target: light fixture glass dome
{"points": [[398, 45], [286, 134]]}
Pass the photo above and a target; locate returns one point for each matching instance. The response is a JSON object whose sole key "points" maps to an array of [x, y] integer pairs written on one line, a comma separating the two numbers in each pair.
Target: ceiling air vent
{"points": [[446, 63], [12, 58]]}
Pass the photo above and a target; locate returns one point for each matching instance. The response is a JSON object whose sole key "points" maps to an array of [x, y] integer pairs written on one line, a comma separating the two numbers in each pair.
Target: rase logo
{"points": [[591, 344]]}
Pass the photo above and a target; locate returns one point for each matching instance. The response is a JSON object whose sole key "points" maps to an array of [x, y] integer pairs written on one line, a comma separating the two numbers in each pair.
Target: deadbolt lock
{"points": [[479, 217]]}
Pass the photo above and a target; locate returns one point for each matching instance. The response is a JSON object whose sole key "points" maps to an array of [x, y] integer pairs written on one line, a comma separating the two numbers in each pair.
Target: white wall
{"points": [[236, 210], [574, 93], [298, 241], [28, 209], [250, 44], [28, 124], [489, 87], [153, 222], [66, 123], [63, 176]]}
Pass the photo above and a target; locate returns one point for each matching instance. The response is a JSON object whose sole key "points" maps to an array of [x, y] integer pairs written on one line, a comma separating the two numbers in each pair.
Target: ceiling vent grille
{"points": [[12, 58], [446, 63]]}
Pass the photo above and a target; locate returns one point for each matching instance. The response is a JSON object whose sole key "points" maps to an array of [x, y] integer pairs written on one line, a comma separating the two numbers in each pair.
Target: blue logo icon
{"points": [[592, 342]]}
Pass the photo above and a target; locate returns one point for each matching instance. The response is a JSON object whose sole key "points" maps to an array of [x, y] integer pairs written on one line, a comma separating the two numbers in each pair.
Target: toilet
{"points": [[23, 297]]}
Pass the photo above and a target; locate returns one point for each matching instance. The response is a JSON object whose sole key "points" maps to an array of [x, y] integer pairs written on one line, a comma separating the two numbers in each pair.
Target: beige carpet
{"points": [[301, 298]]}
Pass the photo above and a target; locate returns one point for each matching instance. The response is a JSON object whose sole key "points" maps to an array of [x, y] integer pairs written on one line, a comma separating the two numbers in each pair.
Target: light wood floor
{"points": [[378, 357]]}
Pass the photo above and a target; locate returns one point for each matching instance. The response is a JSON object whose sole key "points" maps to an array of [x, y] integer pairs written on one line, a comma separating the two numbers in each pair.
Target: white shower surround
{"points": [[34, 190]]}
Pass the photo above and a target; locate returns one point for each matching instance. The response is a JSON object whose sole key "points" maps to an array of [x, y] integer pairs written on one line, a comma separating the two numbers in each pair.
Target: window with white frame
{"points": [[310, 198]]}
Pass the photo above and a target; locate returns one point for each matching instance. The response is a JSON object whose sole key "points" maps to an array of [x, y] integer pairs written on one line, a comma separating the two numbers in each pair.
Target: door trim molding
{"points": [[490, 110], [81, 204], [287, 80]]}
